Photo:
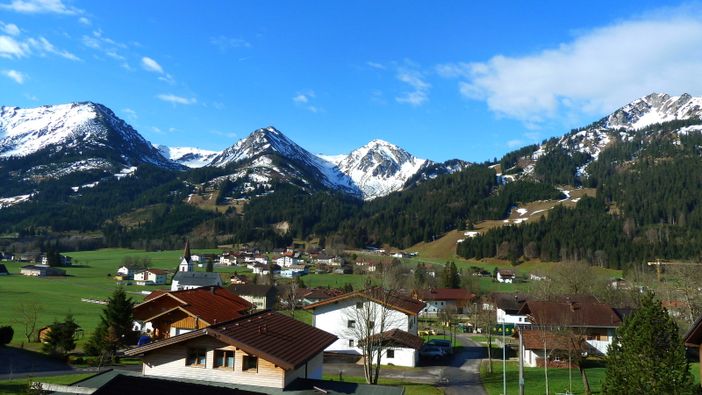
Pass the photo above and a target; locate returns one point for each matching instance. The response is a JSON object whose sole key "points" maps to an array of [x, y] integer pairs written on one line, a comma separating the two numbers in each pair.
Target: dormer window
{"points": [[196, 357], [224, 359]]}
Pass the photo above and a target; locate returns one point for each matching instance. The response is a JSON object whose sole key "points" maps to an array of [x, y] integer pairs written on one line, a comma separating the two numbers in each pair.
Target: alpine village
{"points": [[569, 263]]}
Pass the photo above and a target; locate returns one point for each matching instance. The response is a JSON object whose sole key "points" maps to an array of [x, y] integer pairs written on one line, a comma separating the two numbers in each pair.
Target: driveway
{"points": [[457, 375]]}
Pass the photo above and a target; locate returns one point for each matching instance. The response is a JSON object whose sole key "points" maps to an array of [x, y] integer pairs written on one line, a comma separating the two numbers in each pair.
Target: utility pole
{"points": [[504, 361], [521, 361]]}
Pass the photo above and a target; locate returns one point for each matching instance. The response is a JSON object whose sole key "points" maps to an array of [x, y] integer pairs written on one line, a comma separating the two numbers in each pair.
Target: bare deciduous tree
{"points": [[27, 314], [366, 321]]}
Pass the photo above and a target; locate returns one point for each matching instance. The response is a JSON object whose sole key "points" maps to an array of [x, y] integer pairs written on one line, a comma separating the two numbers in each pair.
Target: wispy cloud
{"points": [[174, 99], [225, 43], [304, 100], [419, 93], [131, 114], [43, 46], [376, 65], [11, 48], [230, 135], [594, 73], [11, 29], [15, 75], [514, 143], [40, 7], [107, 46], [149, 64], [85, 21]]}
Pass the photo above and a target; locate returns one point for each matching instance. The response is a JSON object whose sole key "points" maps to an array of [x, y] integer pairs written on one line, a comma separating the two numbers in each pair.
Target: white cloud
{"points": [[304, 100], [230, 135], [171, 98], [40, 7], [514, 143], [11, 29], [15, 75], [131, 114], [43, 46], [151, 65], [85, 21], [225, 43], [594, 73], [10, 48], [420, 88], [375, 65]]}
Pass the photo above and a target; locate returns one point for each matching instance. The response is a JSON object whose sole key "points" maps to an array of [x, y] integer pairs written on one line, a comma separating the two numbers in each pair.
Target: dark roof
{"points": [[297, 387], [397, 338], [390, 299], [571, 313], [275, 337], [138, 385], [693, 337], [510, 303], [157, 271], [200, 279], [252, 289], [534, 339], [445, 294], [506, 273], [212, 304], [318, 293]]}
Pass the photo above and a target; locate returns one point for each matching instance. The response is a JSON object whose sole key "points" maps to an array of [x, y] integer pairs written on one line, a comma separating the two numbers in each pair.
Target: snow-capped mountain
{"points": [[635, 119], [52, 141], [188, 156], [267, 155], [380, 168]]}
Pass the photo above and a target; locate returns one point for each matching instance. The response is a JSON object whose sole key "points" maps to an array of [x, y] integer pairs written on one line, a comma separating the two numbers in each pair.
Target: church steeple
{"points": [[186, 264]]}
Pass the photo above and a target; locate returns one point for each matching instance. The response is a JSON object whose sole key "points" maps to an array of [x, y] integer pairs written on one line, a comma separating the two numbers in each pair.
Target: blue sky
{"points": [[455, 80]]}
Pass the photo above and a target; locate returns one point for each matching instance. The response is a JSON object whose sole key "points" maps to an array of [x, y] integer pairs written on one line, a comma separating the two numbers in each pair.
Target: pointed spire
{"points": [[186, 251]]}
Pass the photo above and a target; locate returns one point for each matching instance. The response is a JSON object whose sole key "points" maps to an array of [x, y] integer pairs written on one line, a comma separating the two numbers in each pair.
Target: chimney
{"points": [[212, 290]]}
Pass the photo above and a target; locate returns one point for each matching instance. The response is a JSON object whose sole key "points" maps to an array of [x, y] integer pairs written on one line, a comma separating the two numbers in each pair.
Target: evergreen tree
{"points": [[647, 355], [6, 333], [115, 327], [450, 277], [61, 338]]}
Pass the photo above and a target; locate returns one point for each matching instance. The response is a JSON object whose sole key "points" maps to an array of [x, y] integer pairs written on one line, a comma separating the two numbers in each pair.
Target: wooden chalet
{"points": [[168, 314]]}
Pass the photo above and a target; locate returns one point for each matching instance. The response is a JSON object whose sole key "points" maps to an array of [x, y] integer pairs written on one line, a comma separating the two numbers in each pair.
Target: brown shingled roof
{"points": [[389, 299], [571, 313], [534, 340], [397, 338], [211, 304], [275, 337]]}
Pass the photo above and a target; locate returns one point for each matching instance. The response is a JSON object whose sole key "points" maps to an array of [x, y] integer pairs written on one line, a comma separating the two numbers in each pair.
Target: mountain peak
{"points": [[655, 108]]}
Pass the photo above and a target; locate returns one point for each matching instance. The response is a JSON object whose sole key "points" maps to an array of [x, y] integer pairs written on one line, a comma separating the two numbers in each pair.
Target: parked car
{"points": [[432, 352], [444, 345]]}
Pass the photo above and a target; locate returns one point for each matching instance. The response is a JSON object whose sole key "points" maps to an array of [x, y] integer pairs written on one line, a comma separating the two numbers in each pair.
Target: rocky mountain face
{"points": [[54, 141], [267, 156], [638, 119]]}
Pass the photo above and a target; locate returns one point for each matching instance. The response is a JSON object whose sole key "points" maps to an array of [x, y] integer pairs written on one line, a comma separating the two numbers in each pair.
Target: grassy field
{"points": [[19, 386], [534, 382], [90, 277], [410, 388]]}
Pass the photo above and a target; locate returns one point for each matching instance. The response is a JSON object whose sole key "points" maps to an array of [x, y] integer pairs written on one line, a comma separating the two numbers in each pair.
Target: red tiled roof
{"points": [[571, 313], [446, 294], [397, 338], [211, 304], [157, 271], [275, 337], [390, 299]]}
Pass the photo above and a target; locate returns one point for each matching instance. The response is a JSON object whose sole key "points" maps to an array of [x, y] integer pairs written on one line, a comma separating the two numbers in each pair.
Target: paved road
{"points": [[457, 375]]}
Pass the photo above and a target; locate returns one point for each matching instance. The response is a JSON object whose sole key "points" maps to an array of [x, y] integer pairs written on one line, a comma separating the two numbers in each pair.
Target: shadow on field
{"points": [[17, 360]]}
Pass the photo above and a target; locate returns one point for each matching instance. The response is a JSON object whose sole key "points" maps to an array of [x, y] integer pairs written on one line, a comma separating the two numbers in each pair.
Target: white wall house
{"points": [[505, 276], [342, 316], [285, 261], [150, 277]]}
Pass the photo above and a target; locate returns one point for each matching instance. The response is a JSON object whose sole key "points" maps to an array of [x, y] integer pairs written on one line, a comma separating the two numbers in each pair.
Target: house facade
{"points": [[191, 280], [265, 349], [505, 276], [345, 315], [261, 296], [452, 300], [150, 277], [41, 271]]}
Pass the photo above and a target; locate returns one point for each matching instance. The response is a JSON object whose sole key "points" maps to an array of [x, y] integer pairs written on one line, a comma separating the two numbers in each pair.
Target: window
{"points": [[351, 324], [196, 357], [350, 342], [224, 359], [359, 305], [390, 354], [371, 324], [249, 363]]}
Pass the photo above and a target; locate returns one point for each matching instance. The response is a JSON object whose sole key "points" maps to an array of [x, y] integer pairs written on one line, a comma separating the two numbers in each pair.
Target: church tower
{"points": [[186, 264]]}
